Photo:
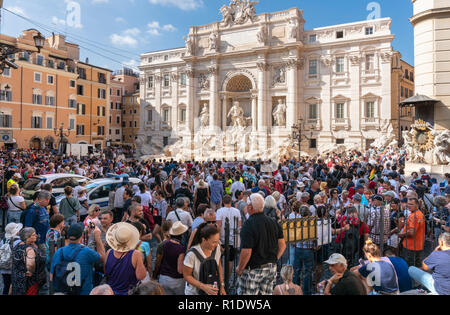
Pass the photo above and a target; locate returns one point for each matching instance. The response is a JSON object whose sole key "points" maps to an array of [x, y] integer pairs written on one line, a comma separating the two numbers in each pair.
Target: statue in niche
{"points": [[203, 82], [189, 45], [204, 116], [237, 115], [279, 113], [280, 76]]}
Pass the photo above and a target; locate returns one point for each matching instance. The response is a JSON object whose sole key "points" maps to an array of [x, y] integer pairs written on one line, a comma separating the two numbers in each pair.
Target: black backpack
{"points": [[62, 273], [209, 270], [351, 241]]}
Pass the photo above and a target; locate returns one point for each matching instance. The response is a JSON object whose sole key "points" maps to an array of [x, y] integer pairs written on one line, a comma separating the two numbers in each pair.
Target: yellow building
{"points": [[40, 95]]}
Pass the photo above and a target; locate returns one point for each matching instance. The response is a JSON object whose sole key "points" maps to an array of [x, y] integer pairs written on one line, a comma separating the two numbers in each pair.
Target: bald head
{"points": [[257, 202]]}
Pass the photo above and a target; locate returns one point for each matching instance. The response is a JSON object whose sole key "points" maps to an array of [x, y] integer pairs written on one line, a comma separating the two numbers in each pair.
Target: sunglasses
{"points": [[211, 222]]}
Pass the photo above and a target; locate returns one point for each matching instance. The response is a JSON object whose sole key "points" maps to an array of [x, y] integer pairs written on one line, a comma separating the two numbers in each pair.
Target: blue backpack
{"points": [[63, 280]]}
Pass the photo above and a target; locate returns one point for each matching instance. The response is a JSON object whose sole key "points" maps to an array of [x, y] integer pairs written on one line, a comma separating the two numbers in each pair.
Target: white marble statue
{"points": [[213, 41], [189, 45], [441, 151], [238, 12], [279, 114], [203, 81], [279, 76], [204, 116], [237, 115], [387, 138], [262, 36], [292, 28], [227, 13]]}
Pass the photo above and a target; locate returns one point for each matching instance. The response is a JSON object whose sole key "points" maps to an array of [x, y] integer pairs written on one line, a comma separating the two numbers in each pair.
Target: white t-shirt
{"points": [[185, 217], [146, 198], [193, 262], [235, 187], [15, 200], [231, 214]]}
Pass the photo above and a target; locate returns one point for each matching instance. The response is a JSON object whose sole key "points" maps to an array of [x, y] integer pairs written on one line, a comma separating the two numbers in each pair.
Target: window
{"points": [[5, 95], [71, 124], [37, 77], [406, 74], [312, 38], [340, 65], [102, 78], [117, 131], [340, 110], [370, 62], [369, 30], [101, 93], [411, 76], [340, 141], [118, 93], [50, 79], [6, 72], [118, 119], [5, 121], [101, 130], [62, 66], [80, 130], [50, 100], [166, 115], [72, 83], [37, 99], [135, 124], [340, 34], [150, 82], [80, 90], [150, 115], [313, 111], [50, 64], [150, 59], [36, 122], [410, 93], [406, 92], [370, 110], [81, 109], [25, 56], [183, 115], [402, 93], [82, 73], [312, 143], [183, 79], [40, 60], [166, 141], [313, 68], [166, 80], [166, 57], [49, 122]]}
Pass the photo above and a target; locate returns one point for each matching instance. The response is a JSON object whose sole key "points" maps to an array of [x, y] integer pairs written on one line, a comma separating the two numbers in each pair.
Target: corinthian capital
{"points": [[386, 56], [262, 66], [213, 70], [355, 60]]}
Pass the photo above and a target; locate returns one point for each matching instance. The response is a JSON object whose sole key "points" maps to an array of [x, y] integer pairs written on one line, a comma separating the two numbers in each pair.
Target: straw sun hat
{"points": [[122, 237], [178, 228]]}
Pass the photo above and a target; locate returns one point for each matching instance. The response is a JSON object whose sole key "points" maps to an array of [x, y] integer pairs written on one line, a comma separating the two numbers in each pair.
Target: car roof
{"points": [[101, 181], [50, 177]]}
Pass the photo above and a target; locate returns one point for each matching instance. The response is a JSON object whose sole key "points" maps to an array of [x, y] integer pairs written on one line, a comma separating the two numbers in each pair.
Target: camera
{"points": [[92, 226]]}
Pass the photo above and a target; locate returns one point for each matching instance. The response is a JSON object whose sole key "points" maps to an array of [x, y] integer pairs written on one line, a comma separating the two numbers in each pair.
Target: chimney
{"points": [[87, 60]]}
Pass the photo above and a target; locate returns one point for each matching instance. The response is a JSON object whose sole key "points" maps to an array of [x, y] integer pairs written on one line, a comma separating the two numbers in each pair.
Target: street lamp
{"points": [[61, 134], [39, 41]]}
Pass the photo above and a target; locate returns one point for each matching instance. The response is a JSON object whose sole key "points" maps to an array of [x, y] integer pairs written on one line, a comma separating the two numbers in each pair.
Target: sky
{"points": [[113, 33]]}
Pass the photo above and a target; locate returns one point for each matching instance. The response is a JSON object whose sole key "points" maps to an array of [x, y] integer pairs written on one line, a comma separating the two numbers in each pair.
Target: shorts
{"points": [[232, 253], [158, 220]]}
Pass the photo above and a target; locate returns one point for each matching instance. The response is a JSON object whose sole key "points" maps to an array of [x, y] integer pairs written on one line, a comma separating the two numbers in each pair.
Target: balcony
{"points": [[340, 123], [370, 123], [313, 124]]}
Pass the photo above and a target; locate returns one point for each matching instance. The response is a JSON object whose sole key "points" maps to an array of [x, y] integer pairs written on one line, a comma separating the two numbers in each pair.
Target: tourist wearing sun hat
{"points": [[124, 266], [169, 261], [11, 237]]}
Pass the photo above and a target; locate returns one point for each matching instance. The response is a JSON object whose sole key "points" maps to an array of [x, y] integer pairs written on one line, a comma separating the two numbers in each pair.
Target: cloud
{"points": [[123, 40], [185, 5], [17, 10], [119, 19], [154, 28], [132, 31], [100, 1]]}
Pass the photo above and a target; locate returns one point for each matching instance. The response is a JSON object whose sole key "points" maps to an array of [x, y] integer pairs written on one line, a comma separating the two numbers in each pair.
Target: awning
{"points": [[418, 100]]}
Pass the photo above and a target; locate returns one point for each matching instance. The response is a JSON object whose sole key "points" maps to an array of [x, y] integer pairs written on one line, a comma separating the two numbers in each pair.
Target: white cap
{"points": [[336, 259]]}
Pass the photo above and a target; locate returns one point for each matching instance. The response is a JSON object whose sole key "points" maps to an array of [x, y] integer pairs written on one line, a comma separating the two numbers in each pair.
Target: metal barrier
{"points": [[311, 240]]}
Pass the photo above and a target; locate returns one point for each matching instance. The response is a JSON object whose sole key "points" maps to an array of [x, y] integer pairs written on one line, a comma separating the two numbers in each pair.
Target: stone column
{"points": [[213, 98], [262, 83], [386, 68], [254, 112], [354, 109], [292, 97], [190, 89]]}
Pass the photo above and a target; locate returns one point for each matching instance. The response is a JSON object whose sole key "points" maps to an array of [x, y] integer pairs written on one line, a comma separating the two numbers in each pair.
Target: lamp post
{"points": [[61, 134]]}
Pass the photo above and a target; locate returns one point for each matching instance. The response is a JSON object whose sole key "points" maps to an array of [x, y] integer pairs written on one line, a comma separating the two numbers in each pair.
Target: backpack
{"points": [[62, 273], [24, 213], [148, 215], [209, 270], [6, 254], [351, 241]]}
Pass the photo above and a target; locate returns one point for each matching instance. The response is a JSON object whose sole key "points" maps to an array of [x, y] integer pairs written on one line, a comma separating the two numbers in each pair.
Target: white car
{"points": [[58, 182], [98, 190]]}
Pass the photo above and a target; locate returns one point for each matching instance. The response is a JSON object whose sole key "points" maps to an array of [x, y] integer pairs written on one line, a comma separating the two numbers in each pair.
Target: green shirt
{"points": [[69, 207]]}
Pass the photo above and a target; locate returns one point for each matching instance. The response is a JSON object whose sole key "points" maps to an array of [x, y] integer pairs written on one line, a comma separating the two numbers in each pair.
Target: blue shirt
{"points": [[385, 281], [197, 222], [38, 218], [86, 258], [401, 268], [216, 188], [439, 263]]}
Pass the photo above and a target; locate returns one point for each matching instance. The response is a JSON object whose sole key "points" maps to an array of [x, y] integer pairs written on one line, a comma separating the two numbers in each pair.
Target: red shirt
{"points": [[342, 221]]}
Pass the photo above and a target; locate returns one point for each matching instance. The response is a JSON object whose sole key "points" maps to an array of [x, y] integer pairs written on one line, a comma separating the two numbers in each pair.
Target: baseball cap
{"points": [[359, 187], [75, 231], [336, 259], [377, 197], [357, 197], [389, 193]]}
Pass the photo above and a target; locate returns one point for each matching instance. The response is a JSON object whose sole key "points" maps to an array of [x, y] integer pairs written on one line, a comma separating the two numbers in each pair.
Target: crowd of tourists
{"points": [[341, 224]]}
